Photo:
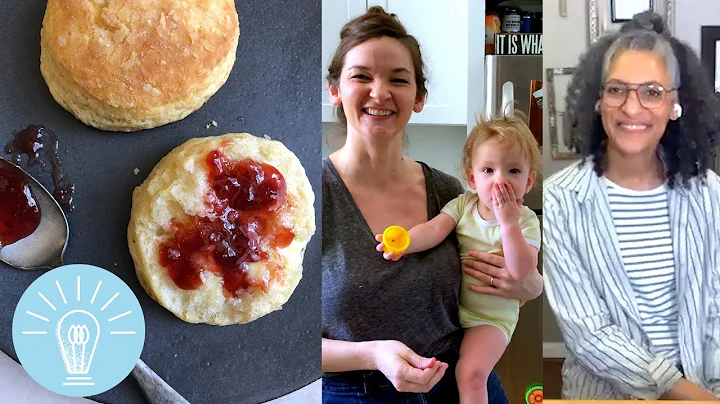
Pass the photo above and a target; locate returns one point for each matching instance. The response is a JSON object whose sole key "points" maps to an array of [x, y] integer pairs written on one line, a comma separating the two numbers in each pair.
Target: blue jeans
{"points": [[372, 387]]}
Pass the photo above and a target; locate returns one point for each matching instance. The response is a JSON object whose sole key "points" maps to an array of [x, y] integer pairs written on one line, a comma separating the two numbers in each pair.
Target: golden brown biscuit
{"points": [[218, 229], [128, 65]]}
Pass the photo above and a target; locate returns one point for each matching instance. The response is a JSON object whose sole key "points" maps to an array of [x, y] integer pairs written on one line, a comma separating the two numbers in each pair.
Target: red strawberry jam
{"points": [[32, 141], [245, 202], [19, 211]]}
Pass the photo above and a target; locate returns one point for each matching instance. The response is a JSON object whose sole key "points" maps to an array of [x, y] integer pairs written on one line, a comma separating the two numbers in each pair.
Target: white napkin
{"points": [[17, 387]]}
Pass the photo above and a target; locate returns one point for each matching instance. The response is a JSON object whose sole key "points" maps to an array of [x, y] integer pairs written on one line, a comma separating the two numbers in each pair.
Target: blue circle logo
{"points": [[78, 330]]}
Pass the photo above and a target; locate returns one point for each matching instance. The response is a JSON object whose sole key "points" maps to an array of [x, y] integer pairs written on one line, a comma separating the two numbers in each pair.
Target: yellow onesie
{"points": [[475, 233]]}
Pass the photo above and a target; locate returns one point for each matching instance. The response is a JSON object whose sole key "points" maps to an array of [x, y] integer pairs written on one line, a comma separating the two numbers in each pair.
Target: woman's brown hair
{"points": [[375, 23]]}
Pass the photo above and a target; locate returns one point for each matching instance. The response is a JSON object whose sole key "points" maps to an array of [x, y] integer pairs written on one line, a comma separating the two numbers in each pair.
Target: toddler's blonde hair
{"points": [[510, 131]]}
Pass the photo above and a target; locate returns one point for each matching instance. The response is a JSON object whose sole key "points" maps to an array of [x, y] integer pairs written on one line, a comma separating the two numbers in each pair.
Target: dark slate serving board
{"points": [[273, 86]]}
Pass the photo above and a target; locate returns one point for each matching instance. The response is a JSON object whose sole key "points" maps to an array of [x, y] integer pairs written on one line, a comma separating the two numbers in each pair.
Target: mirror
{"points": [[558, 80], [608, 15], [624, 10]]}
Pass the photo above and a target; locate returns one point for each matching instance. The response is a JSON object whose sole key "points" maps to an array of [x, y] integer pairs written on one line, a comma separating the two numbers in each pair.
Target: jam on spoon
{"points": [[19, 210], [31, 141], [246, 201]]}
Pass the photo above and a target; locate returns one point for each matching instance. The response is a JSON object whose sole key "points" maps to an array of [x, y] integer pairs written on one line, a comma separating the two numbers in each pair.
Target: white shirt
{"points": [[642, 226], [609, 353]]}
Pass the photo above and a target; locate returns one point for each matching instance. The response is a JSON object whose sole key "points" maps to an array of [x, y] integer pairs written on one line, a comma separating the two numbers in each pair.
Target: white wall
{"points": [[690, 15], [438, 146]]}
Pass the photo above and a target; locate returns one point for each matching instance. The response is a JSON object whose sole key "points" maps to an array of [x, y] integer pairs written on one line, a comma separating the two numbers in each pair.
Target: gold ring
{"points": [[491, 280]]}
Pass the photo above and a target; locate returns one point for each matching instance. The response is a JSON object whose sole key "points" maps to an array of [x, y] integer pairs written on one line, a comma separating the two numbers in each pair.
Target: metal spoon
{"points": [[44, 249], [155, 389]]}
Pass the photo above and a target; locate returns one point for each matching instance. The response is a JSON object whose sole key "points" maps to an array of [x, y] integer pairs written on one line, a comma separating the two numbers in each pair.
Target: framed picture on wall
{"points": [[710, 53], [624, 10], [608, 15]]}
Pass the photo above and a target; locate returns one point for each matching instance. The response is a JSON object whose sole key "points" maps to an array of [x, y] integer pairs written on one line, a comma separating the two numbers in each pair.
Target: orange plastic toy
{"points": [[396, 239]]}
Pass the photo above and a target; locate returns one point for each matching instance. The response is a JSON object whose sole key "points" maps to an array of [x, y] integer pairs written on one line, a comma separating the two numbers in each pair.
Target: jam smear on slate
{"points": [[19, 211], [245, 201], [31, 141]]}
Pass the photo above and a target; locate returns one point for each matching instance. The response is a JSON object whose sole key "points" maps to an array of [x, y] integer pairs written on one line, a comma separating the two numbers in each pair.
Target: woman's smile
{"points": [[377, 88], [634, 126], [631, 127], [378, 112]]}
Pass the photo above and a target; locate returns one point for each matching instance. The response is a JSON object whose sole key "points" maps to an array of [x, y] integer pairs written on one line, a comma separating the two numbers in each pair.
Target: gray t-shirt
{"points": [[365, 297]]}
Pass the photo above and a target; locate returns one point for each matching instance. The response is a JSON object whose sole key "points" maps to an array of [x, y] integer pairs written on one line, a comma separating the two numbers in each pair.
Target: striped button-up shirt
{"points": [[609, 354]]}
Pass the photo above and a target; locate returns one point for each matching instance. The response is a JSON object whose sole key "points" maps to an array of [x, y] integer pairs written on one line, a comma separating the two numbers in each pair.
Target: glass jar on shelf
{"points": [[511, 21]]}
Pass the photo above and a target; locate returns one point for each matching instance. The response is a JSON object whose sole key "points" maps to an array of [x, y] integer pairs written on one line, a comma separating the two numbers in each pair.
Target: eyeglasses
{"points": [[650, 95]]}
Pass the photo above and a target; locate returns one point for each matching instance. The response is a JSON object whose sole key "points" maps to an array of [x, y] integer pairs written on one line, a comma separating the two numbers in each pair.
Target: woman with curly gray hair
{"points": [[632, 231]]}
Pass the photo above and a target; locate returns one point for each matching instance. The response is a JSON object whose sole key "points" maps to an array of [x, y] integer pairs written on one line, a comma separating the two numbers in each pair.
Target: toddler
{"points": [[501, 160]]}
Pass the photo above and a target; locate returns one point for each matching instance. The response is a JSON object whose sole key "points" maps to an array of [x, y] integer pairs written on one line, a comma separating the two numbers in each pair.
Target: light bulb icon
{"points": [[78, 330], [78, 333]]}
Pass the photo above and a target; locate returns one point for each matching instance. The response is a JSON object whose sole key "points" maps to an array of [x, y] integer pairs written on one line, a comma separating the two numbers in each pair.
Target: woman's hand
{"points": [[408, 371], [684, 389], [491, 269]]}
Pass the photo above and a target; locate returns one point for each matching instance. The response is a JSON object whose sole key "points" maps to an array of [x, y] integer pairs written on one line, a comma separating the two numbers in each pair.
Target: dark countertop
{"points": [[273, 86]]}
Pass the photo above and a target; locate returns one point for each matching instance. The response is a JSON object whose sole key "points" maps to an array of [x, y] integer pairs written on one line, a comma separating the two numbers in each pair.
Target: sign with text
{"points": [[518, 44]]}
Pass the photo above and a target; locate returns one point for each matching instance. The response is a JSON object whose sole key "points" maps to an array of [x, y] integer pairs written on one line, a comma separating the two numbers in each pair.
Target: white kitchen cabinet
{"points": [[441, 28], [335, 13]]}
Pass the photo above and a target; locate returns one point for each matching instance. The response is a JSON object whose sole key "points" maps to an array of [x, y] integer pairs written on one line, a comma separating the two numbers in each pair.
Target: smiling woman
{"points": [[377, 90], [631, 231], [391, 331]]}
